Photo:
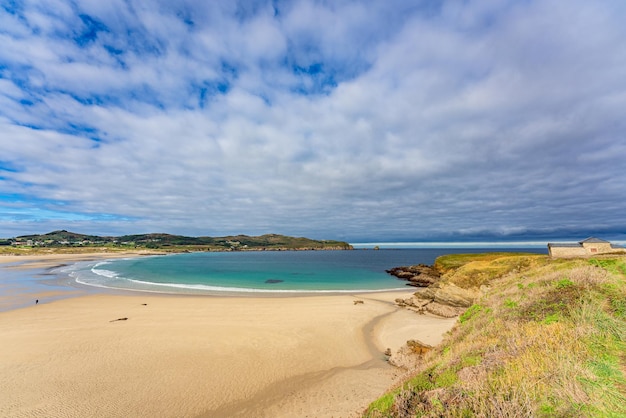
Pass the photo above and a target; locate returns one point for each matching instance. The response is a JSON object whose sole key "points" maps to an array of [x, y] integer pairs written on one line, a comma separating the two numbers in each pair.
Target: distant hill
{"points": [[65, 238], [58, 236]]}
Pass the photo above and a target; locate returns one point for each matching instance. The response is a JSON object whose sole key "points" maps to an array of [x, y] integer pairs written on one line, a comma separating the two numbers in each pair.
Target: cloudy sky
{"points": [[355, 120]]}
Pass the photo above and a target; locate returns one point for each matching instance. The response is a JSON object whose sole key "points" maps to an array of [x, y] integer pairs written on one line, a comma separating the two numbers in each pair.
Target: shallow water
{"points": [[21, 287], [260, 271]]}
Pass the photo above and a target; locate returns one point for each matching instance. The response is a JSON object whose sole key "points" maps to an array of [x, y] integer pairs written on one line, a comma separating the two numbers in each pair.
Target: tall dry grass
{"points": [[547, 340]]}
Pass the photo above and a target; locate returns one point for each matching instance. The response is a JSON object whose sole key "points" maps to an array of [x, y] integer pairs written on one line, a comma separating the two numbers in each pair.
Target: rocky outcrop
{"points": [[405, 358], [414, 303], [439, 297], [422, 304], [409, 355], [419, 275], [451, 295], [419, 347]]}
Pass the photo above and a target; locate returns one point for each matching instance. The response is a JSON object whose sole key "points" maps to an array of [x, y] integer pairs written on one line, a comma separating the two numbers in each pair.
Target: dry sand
{"points": [[52, 260], [186, 356]]}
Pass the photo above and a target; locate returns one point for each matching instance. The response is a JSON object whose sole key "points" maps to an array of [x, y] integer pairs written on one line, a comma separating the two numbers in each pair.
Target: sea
{"points": [[270, 272]]}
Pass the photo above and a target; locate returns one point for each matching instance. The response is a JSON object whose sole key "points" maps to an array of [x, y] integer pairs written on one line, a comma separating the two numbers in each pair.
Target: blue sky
{"points": [[355, 120]]}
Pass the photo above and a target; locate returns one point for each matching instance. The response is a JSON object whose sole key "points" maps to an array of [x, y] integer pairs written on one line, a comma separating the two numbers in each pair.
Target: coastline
{"points": [[25, 279], [315, 355], [54, 260]]}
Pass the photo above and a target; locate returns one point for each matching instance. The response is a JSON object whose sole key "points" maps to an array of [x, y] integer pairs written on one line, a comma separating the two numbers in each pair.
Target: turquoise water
{"points": [[263, 271]]}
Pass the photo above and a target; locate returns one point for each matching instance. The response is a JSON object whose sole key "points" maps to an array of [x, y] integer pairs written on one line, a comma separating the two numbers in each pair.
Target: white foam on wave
{"points": [[100, 285], [198, 289], [207, 288], [106, 273]]}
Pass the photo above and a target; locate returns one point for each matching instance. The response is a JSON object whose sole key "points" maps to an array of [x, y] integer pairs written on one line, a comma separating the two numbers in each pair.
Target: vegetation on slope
{"points": [[548, 339], [474, 270], [64, 241]]}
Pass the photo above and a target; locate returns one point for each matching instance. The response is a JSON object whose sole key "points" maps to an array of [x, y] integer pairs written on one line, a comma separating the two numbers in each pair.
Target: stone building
{"points": [[590, 246]]}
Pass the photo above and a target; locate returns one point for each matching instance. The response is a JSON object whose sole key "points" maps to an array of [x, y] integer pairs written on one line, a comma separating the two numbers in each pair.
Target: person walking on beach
{"points": [[36, 301]]}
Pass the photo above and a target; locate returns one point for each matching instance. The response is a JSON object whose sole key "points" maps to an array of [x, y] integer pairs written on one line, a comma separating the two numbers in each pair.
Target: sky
{"points": [[384, 120]]}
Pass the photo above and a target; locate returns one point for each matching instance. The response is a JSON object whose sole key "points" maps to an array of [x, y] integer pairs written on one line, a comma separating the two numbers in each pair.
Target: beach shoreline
{"points": [[140, 354], [25, 279], [29, 261]]}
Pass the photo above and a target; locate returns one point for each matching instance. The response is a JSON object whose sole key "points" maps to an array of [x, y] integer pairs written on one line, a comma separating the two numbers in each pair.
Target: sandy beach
{"points": [[141, 355], [52, 260]]}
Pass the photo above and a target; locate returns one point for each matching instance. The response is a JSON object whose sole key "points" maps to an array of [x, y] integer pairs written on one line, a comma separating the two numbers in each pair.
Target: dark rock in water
{"points": [[420, 275], [273, 281]]}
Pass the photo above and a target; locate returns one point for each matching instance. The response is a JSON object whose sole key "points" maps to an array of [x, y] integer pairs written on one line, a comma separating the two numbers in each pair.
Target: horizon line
{"points": [[461, 244]]}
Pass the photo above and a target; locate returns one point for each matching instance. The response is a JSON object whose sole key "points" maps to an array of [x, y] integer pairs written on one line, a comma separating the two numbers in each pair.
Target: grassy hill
{"points": [[548, 339], [64, 240]]}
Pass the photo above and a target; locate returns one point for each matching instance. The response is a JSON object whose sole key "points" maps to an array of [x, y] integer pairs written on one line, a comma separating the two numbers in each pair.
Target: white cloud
{"points": [[194, 119]]}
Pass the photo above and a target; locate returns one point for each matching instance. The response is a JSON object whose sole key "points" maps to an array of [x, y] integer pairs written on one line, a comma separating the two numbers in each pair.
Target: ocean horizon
{"points": [[454, 244], [494, 245]]}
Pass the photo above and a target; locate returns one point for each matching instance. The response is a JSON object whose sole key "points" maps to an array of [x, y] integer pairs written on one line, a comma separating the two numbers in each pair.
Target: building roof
{"points": [[594, 240], [590, 240], [564, 244]]}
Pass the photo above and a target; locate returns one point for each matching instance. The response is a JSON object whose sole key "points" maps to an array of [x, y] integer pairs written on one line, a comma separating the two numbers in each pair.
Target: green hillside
{"points": [[65, 239], [548, 339]]}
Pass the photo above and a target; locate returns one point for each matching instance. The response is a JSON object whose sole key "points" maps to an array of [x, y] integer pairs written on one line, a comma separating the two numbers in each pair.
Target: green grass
{"points": [[470, 312], [384, 403], [547, 340], [474, 270]]}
